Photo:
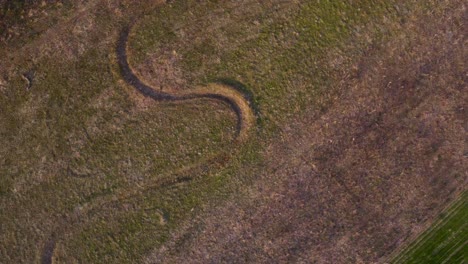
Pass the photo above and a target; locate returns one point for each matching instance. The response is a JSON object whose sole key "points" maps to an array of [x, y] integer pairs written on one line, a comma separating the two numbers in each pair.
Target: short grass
{"points": [[445, 241]]}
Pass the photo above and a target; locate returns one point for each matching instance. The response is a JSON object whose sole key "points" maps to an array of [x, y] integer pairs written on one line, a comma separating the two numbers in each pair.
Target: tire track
{"points": [[230, 95]]}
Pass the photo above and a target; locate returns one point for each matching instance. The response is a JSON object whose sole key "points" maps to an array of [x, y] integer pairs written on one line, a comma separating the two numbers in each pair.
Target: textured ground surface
{"points": [[349, 184], [360, 138]]}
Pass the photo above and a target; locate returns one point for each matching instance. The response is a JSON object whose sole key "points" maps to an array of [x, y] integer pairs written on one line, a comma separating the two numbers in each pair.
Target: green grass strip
{"points": [[446, 241]]}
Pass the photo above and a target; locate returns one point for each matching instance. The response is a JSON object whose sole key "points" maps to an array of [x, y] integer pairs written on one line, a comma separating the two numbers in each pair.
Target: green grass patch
{"points": [[445, 241]]}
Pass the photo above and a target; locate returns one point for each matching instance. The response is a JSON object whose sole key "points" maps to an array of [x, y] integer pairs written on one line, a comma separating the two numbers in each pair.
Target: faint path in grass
{"points": [[225, 92]]}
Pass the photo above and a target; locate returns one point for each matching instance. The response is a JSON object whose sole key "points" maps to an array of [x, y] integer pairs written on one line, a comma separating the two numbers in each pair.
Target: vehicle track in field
{"points": [[230, 95]]}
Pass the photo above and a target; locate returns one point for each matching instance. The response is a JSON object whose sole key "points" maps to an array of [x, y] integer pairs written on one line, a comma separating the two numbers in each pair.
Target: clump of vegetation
{"points": [[23, 20]]}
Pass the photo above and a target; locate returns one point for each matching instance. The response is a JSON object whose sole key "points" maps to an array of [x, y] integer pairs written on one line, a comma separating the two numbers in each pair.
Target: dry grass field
{"points": [[342, 138]]}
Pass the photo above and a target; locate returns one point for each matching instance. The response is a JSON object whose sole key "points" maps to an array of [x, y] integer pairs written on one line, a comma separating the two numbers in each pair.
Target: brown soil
{"points": [[352, 183]]}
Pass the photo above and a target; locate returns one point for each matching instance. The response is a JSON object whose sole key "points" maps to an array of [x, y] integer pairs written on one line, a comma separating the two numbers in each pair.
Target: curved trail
{"points": [[237, 101], [223, 93]]}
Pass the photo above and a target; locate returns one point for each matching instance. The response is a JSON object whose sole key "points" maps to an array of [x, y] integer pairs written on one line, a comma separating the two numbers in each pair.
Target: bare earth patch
{"points": [[351, 184]]}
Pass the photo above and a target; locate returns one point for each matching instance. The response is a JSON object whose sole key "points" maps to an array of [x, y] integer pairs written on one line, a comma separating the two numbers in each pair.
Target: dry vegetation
{"points": [[351, 183], [360, 137]]}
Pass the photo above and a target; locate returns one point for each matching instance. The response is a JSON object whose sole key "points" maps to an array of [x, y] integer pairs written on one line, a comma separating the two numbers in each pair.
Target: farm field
{"points": [[233, 131]]}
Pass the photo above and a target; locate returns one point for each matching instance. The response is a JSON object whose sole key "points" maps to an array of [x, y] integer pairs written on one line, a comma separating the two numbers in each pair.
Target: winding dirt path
{"points": [[237, 101], [227, 94]]}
